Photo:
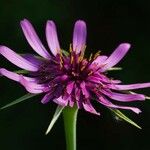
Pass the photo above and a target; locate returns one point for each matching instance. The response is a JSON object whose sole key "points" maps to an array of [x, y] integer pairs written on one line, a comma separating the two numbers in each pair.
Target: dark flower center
{"points": [[70, 66]]}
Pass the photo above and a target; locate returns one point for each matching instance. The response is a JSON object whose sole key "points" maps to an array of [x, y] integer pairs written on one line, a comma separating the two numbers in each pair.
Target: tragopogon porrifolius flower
{"points": [[70, 79]]}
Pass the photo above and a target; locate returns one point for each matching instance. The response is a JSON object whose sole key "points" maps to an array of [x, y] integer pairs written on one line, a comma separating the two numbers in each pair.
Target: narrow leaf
{"points": [[21, 99], [65, 52], [125, 118], [55, 117], [21, 71], [115, 68]]}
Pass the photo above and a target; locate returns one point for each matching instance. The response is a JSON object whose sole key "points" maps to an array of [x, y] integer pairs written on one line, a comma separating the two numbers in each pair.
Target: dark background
{"points": [[109, 23]]}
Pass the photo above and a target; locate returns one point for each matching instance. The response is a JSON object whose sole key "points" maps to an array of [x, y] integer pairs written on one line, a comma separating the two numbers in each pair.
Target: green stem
{"points": [[70, 119]]}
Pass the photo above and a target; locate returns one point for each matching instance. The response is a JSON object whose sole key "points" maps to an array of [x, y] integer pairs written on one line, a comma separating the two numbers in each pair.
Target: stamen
{"points": [[70, 48], [90, 73], [79, 59], [81, 55], [90, 58], [71, 59], [74, 74], [61, 60], [83, 51], [96, 54], [82, 68]]}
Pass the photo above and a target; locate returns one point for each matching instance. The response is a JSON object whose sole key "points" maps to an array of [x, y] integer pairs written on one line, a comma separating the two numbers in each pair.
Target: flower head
{"points": [[70, 79]]}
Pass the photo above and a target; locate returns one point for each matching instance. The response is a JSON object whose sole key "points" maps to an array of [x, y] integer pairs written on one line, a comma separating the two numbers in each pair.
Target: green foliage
{"points": [[119, 114], [21, 99], [54, 119]]}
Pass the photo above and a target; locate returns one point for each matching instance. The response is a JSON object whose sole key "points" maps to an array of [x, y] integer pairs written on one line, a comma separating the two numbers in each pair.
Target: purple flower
{"points": [[70, 79]]}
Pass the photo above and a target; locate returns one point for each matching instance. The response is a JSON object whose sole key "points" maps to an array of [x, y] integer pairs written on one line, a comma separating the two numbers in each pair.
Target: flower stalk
{"points": [[70, 120]]}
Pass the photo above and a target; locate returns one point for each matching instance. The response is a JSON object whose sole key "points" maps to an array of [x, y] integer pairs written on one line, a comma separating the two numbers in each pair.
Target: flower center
{"points": [[71, 66]]}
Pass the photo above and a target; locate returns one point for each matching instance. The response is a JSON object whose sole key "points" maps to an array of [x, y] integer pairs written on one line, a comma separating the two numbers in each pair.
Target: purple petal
{"points": [[77, 97], [10, 75], [61, 101], [88, 107], [52, 39], [124, 97], [33, 39], [70, 87], [31, 87], [79, 36], [84, 90], [48, 97], [116, 56], [94, 79], [14, 76], [33, 59], [77, 94], [17, 60], [130, 86], [107, 103], [115, 81], [99, 78], [100, 60], [71, 101]]}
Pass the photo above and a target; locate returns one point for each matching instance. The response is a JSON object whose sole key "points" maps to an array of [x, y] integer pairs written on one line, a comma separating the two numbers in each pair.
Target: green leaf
{"points": [[21, 71], [65, 52], [54, 119], [21, 99], [115, 68], [125, 118]]}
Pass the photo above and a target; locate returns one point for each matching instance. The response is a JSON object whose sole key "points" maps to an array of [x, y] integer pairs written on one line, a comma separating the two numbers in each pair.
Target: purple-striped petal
{"points": [[77, 94], [33, 39], [116, 56], [31, 87], [71, 101], [100, 60], [123, 97], [79, 36], [115, 81], [70, 87], [88, 107], [48, 97], [84, 90], [17, 60], [107, 103], [61, 101], [130, 86], [33, 59], [52, 39], [10, 75], [14, 76]]}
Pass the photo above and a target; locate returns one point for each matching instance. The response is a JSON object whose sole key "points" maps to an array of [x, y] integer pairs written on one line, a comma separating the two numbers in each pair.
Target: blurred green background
{"points": [[109, 23]]}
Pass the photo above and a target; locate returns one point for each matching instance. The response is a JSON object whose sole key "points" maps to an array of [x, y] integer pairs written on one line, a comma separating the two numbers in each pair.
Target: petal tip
{"points": [[80, 24], [79, 36], [125, 45], [50, 22], [138, 111], [24, 21], [52, 38], [1, 48]]}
